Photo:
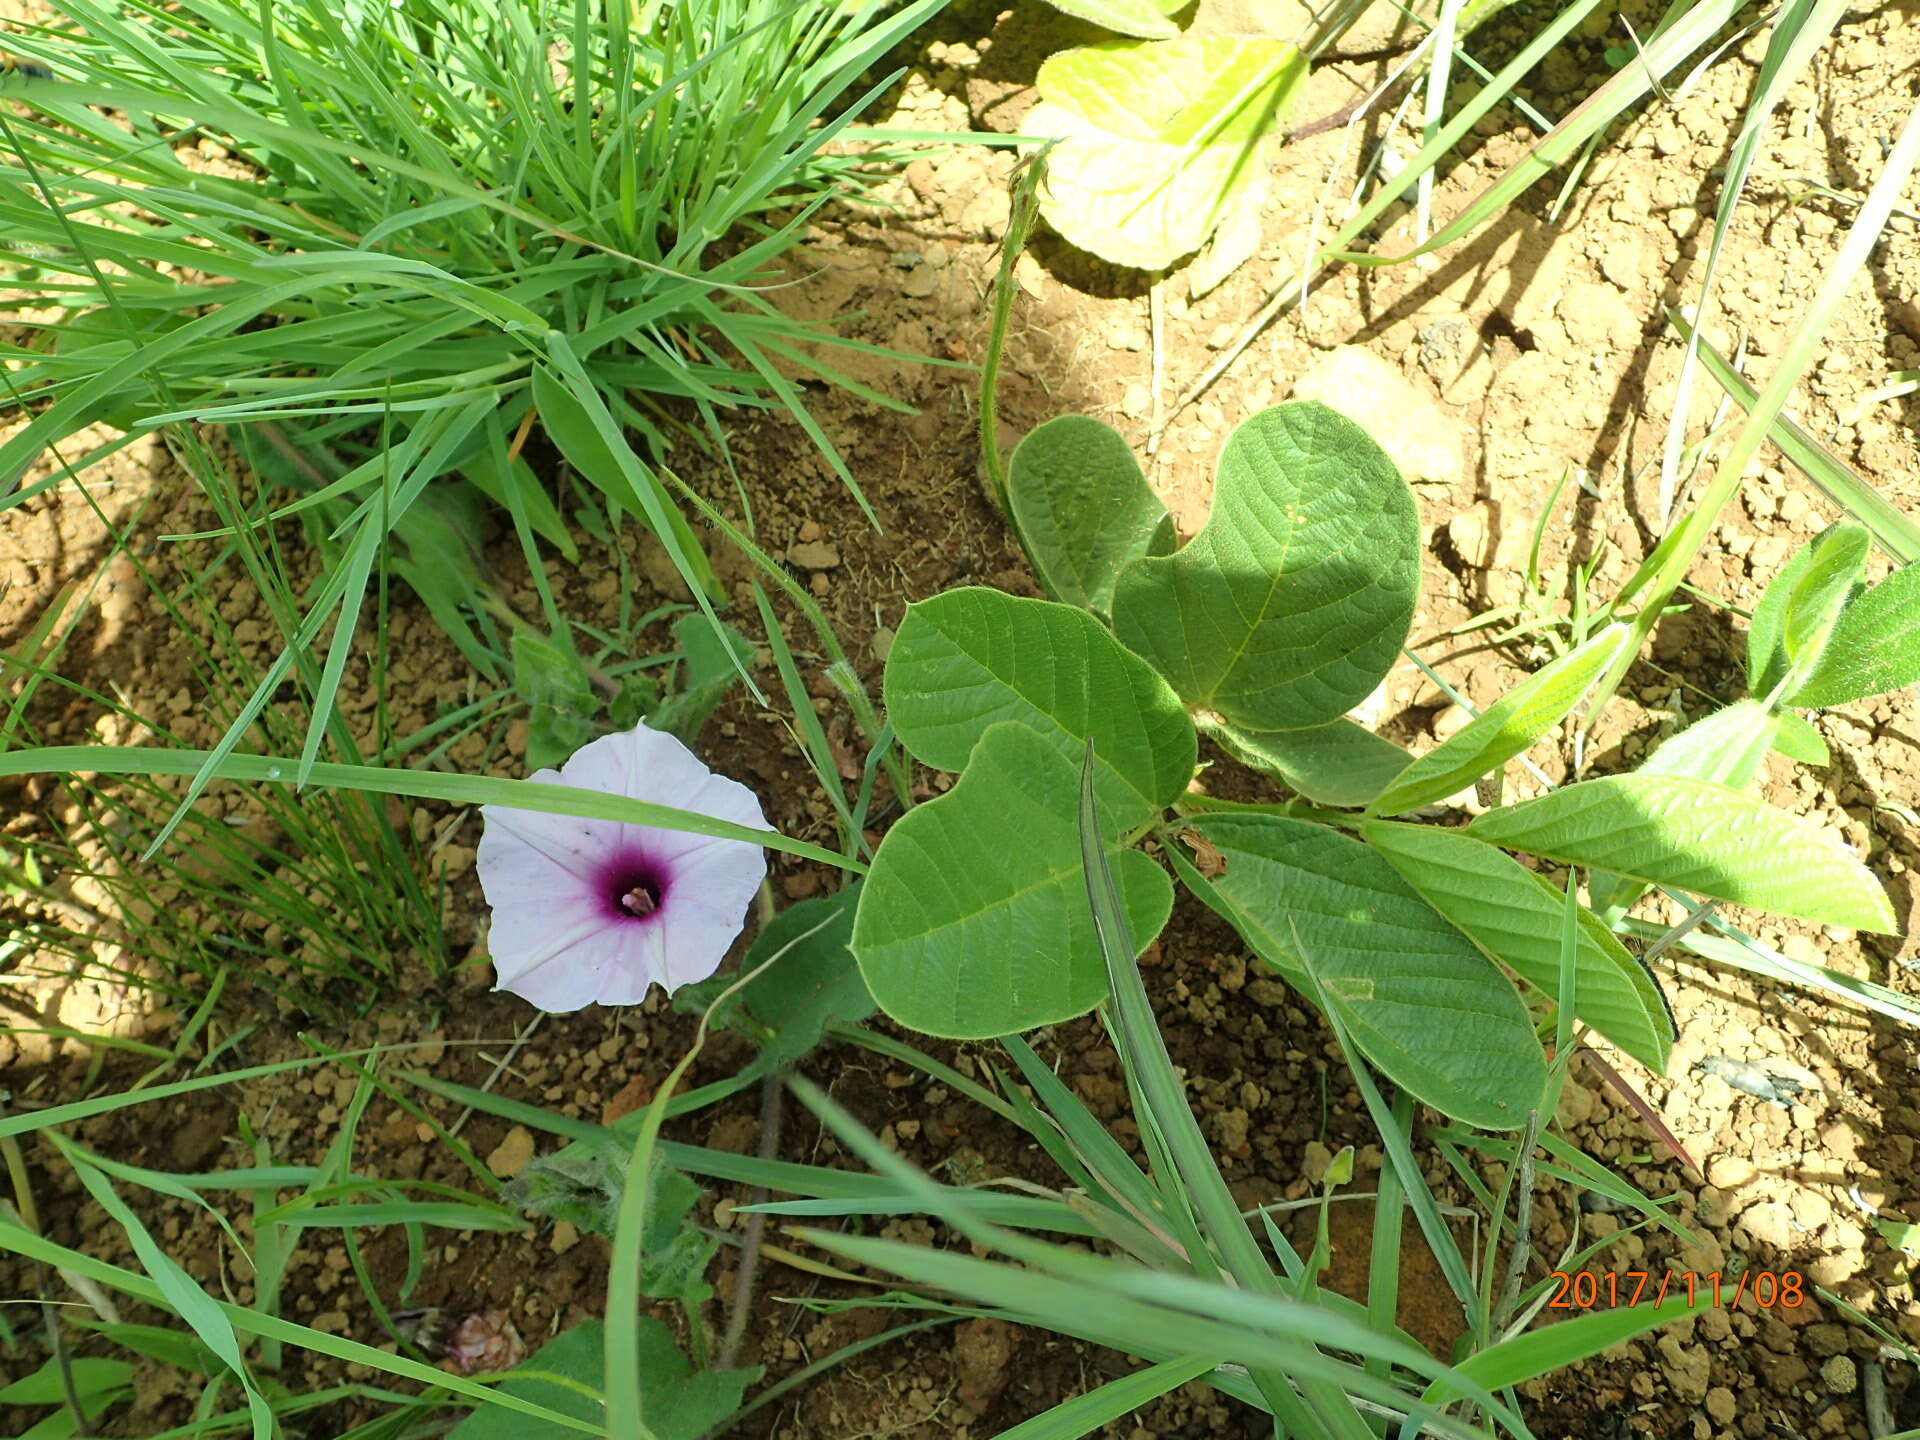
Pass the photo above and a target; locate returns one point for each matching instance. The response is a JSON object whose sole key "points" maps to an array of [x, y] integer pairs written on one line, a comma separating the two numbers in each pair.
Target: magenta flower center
{"points": [[634, 886]]}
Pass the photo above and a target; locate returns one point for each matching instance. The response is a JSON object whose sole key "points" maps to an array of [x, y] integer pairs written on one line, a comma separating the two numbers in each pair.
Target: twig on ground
{"points": [[500, 1067], [1522, 1252], [1873, 1399], [740, 1307], [1157, 324]]}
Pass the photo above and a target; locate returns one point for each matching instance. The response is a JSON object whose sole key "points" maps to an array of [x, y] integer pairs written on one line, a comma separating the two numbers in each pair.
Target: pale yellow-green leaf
{"points": [[1159, 139]]}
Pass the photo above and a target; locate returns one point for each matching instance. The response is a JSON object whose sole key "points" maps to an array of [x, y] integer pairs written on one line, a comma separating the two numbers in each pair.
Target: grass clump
{"points": [[321, 216]]}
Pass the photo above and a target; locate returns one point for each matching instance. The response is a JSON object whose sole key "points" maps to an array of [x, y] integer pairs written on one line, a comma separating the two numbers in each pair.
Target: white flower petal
{"points": [[608, 964], [556, 941], [642, 764], [640, 965], [706, 907], [721, 798]]}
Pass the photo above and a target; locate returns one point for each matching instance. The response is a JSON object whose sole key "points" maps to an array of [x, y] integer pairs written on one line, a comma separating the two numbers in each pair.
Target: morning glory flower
{"points": [[591, 911]]}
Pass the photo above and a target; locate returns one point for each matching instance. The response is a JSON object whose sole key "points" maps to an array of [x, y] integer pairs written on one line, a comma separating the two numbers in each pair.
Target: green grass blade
{"points": [[1893, 529], [420, 784], [1086, 1413]]}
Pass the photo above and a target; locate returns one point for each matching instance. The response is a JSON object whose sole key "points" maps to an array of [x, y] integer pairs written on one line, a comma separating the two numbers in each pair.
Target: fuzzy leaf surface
{"points": [[1696, 836], [1506, 728], [1874, 647], [1503, 907]]}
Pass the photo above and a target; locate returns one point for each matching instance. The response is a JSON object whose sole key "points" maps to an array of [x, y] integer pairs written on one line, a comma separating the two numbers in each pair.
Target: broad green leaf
{"points": [[560, 698], [1696, 836], [1506, 728], [1726, 748], [1421, 1002], [1799, 741], [973, 921], [1288, 608], [1158, 139], [1901, 1236], [1766, 631], [682, 1403], [1144, 18], [1084, 509], [1874, 648], [1505, 909], [1839, 556], [974, 657], [1340, 763]]}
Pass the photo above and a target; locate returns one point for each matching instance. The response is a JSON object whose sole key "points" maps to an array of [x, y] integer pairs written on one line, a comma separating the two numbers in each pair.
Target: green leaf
{"points": [[1549, 1348], [1696, 836], [1901, 1236], [1506, 910], [812, 984], [1084, 509], [585, 434], [1506, 728], [1766, 631], [1293, 602], [92, 1378], [1726, 748], [1340, 763], [579, 1183], [181, 1292], [1799, 741], [1144, 18], [157, 1342], [1158, 139], [1874, 648], [1085, 1413], [973, 921], [1420, 1001], [974, 657], [1839, 557], [559, 697], [682, 1403], [713, 661]]}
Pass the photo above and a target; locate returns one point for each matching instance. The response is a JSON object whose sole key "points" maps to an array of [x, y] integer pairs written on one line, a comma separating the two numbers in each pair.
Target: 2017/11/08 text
{"points": [[1595, 1289]]}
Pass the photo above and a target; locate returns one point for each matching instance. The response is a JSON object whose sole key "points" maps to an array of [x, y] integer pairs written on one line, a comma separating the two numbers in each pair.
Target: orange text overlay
{"points": [[1610, 1289]]}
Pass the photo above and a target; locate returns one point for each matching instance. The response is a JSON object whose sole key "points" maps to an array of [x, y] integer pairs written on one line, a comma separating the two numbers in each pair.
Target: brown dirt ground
{"points": [[1533, 349]]}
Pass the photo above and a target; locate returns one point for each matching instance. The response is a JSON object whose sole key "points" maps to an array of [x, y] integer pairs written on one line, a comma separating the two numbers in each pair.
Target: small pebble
{"points": [[1840, 1375], [512, 1154]]}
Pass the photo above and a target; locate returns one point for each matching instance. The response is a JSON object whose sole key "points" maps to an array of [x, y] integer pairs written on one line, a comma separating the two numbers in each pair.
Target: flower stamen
{"points": [[640, 900]]}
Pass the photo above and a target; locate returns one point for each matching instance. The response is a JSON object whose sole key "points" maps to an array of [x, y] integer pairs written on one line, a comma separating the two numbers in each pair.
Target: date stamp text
{"points": [[1611, 1289]]}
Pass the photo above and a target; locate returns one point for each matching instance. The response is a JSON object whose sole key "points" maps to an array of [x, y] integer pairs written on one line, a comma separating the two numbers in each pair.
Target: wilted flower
{"points": [[484, 1343], [589, 911]]}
